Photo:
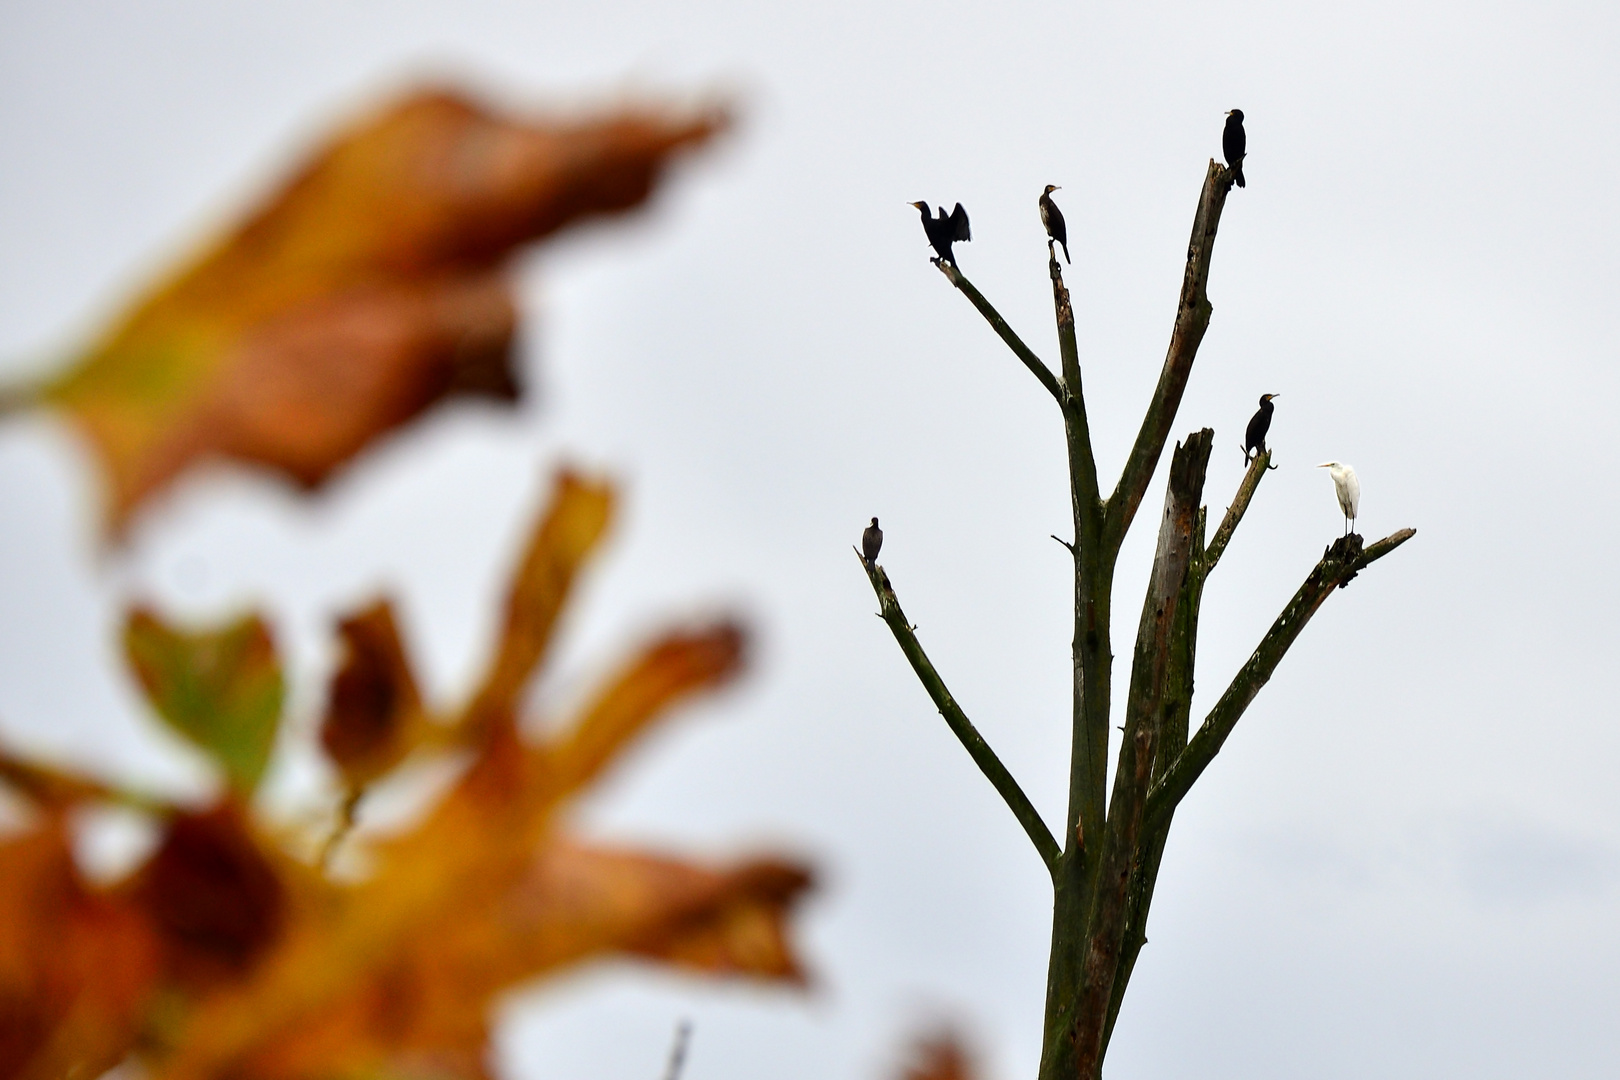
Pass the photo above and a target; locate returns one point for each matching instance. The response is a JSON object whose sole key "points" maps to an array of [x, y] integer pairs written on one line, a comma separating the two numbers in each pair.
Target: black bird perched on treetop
{"points": [[871, 542], [1052, 218], [1235, 144], [1254, 439], [945, 230]]}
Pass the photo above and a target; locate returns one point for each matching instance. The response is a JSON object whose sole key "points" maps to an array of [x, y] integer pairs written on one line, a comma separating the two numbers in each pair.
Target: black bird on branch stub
{"points": [[871, 542], [1254, 438], [1052, 218], [1235, 144], [945, 230]]}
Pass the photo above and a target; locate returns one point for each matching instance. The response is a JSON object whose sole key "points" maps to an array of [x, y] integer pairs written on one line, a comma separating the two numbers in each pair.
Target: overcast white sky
{"points": [[1407, 861]]}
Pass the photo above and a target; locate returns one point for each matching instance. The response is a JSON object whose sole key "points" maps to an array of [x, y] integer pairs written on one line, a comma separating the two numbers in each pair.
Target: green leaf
{"points": [[222, 689]]}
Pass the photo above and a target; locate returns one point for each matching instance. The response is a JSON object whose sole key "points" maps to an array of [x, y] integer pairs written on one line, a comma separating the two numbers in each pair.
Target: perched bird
{"points": [[945, 230], [1348, 489], [1235, 144], [1052, 218], [1254, 438], [871, 542]]}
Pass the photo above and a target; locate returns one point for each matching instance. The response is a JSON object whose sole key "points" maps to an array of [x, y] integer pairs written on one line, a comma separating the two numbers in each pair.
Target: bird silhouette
{"points": [[1052, 218], [871, 542], [1235, 144], [1254, 437], [945, 230]]}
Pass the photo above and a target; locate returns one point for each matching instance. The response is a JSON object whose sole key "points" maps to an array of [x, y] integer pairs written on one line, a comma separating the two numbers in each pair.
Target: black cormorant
{"points": [[945, 230], [1052, 218], [871, 542], [1254, 438], [1234, 143]]}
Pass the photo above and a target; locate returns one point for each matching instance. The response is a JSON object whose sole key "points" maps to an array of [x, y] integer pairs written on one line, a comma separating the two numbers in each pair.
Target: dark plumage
{"points": [[1254, 438], [871, 542], [1052, 218], [1235, 144], [945, 230]]}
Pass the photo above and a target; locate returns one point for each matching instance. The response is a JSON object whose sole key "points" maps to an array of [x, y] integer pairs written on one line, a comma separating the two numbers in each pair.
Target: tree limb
{"points": [[1339, 564], [1192, 319], [1092, 653], [977, 748], [1235, 512], [1035, 364], [1082, 465]]}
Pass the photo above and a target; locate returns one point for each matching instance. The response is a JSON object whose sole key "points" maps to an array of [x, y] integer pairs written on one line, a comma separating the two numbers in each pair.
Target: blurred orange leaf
{"points": [[579, 516], [676, 665], [363, 291], [225, 958], [396, 972], [222, 689], [76, 967], [578, 900], [940, 1056], [430, 1000]]}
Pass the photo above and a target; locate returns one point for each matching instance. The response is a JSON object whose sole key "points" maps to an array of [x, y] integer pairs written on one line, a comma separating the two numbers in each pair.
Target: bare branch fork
{"points": [[1104, 872]]}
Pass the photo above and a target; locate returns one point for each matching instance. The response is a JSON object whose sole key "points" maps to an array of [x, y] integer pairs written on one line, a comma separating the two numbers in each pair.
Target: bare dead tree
{"points": [[1103, 872]]}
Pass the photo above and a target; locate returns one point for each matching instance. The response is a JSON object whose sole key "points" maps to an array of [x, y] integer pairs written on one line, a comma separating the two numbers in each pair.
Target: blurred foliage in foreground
{"points": [[366, 289], [370, 286], [940, 1056]]}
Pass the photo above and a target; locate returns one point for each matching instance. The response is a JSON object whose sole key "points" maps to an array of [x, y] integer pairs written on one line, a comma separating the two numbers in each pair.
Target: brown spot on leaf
{"points": [[374, 703], [214, 896]]}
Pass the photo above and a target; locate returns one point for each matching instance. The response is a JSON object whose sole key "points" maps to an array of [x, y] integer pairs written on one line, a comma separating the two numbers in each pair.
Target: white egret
{"points": [[1348, 489]]}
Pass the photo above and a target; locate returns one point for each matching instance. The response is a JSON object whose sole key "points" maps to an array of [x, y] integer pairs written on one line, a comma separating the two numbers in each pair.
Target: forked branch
{"points": [[977, 748]]}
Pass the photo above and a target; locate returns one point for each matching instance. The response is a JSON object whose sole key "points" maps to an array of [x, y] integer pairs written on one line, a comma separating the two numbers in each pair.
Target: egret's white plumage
{"points": [[1347, 487]]}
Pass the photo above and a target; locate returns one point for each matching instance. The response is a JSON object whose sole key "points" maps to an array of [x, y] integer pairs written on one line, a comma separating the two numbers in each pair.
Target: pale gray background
{"points": [[1407, 862]]}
